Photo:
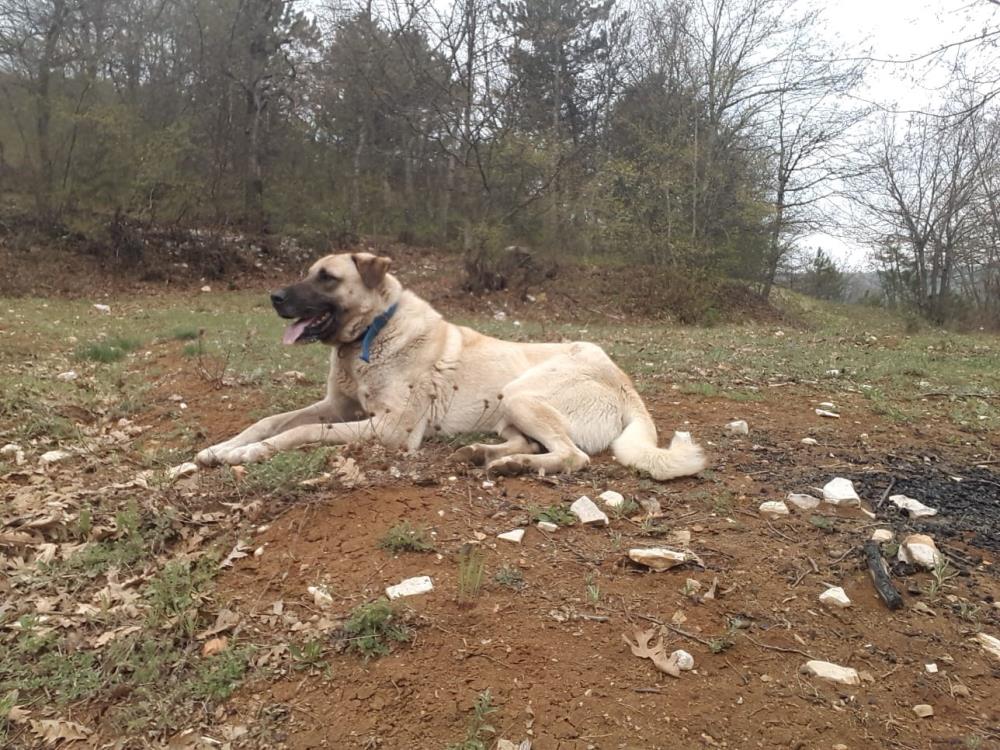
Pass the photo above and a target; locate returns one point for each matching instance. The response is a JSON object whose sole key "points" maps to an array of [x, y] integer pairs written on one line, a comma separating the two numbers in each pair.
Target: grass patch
{"points": [[479, 729], [471, 566], [108, 350], [556, 514], [285, 471], [372, 629], [405, 538], [218, 676], [510, 577], [184, 334], [175, 594]]}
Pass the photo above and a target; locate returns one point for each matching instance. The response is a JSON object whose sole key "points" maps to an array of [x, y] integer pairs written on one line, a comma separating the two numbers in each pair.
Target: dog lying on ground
{"points": [[399, 372]]}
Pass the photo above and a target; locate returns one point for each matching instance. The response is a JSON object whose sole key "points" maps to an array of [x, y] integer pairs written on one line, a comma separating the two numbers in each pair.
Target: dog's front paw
{"points": [[247, 454], [470, 454], [210, 456], [507, 467]]}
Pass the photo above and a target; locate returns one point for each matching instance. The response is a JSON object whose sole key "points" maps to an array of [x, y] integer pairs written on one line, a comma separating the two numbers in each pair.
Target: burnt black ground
{"points": [[968, 510]]}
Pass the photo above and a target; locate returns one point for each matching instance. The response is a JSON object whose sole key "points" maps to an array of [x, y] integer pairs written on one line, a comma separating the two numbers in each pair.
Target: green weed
{"points": [[405, 538], [479, 728], [471, 565], [372, 628]]}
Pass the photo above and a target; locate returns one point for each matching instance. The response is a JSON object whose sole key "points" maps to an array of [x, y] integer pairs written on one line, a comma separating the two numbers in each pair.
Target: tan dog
{"points": [[399, 371]]}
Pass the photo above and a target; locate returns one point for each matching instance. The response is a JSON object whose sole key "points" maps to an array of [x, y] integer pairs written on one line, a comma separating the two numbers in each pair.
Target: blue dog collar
{"points": [[373, 330]]}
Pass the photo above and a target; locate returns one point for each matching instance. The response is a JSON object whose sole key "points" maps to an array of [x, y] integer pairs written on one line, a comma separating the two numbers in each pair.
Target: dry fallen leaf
{"points": [[215, 646], [54, 730], [240, 550], [225, 620], [656, 654]]}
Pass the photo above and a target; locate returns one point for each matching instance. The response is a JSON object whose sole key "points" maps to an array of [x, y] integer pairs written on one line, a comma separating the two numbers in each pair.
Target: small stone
{"points": [[881, 535], [827, 413], [588, 513], [914, 508], [922, 608], [773, 509], [488, 484], [803, 502], [839, 746], [658, 558], [923, 710], [547, 526], [692, 586], [205, 289], [738, 427], [961, 691], [67, 377], [835, 596], [514, 536], [51, 457], [321, 596], [809, 441], [410, 587], [840, 491], [185, 469], [10, 449], [919, 549], [102, 308], [827, 405], [612, 499], [931, 668], [832, 672], [506, 745], [989, 643], [683, 660]]}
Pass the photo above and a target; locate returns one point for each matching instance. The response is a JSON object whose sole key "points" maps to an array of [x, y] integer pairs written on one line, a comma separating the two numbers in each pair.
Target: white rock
{"points": [[803, 502], [914, 508], [50, 457], [185, 469], [547, 526], [919, 549], [827, 413], [683, 660], [840, 491], [10, 449], [923, 710], [738, 427], [321, 596], [931, 668], [588, 513], [612, 499], [410, 587], [809, 441], [991, 644], [206, 288], [102, 308], [773, 509], [68, 376], [827, 405], [881, 535], [514, 536], [835, 596], [833, 672], [658, 558]]}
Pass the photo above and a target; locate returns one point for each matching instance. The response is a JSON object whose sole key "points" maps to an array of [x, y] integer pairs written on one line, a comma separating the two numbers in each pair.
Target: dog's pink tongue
{"points": [[294, 330]]}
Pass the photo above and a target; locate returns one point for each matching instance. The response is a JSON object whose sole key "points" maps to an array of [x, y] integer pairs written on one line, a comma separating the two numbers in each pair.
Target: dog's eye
{"points": [[324, 276]]}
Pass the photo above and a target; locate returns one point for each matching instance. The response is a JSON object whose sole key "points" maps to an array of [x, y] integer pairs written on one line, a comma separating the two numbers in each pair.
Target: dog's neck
{"points": [[373, 330]]}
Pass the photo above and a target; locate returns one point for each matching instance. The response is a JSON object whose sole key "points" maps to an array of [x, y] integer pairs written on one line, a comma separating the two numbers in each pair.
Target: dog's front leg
{"points": [[269, 427], [337, 433]]}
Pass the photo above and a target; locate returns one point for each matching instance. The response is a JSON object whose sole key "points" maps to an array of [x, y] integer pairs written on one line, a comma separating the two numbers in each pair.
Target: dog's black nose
{"points": [[278, 297]]}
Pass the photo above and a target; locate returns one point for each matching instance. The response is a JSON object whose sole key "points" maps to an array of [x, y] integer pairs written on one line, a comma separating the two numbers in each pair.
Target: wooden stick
{"points": [[880, 576]]}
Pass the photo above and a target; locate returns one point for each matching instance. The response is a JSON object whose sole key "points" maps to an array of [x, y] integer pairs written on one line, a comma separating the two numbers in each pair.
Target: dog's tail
{"points": [[636, 447]]}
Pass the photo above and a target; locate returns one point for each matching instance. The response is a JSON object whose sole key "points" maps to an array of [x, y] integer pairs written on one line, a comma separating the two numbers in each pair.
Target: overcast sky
{"points": [[897, 30]]}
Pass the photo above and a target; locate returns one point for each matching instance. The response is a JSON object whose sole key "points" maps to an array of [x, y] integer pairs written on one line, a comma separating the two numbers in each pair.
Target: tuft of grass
{"points": [[941, 574], [510, 577], [556, 514], [218, 676], [372, 628], [309, 656], [479, 728], [108, 350], [471, 565], [284, 471], [194, 349], [593, 590], [405, 538], [184, 334], [175, 594]]}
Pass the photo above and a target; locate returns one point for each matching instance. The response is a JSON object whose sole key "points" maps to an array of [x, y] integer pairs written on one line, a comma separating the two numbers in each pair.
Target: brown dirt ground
{"points": [[567, 681]]}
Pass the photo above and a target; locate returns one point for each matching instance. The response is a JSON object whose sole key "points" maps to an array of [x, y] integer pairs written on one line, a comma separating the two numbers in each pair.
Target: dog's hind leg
{"points": [[480, 454], [530, 415]]}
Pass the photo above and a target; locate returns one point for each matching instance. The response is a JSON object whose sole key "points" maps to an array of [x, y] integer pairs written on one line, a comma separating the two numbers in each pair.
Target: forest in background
{"points": [[708, 137]]}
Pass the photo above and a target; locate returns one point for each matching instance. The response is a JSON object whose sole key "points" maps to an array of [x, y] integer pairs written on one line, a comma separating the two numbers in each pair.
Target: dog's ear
{"points": [[372, 268]]}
